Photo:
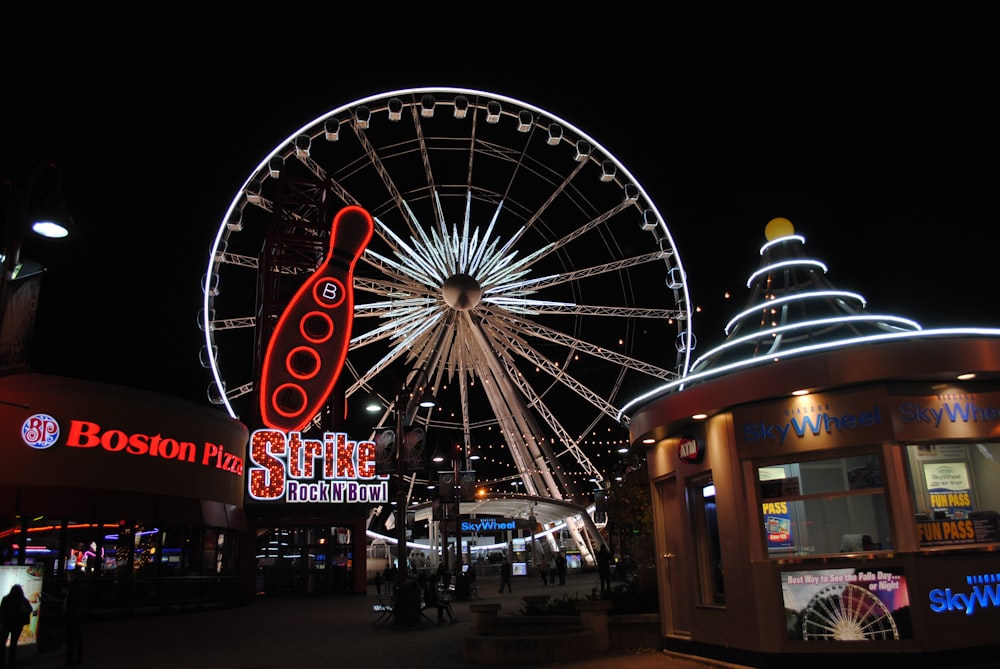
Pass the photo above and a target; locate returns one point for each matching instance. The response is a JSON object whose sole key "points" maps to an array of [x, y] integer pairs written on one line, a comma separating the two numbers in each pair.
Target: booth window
{"points": [[708, 552], [955, 491], [823, 506]]}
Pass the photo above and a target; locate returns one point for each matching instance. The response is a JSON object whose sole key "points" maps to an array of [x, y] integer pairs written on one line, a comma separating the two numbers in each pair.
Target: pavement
{"points": [[323, 631]]}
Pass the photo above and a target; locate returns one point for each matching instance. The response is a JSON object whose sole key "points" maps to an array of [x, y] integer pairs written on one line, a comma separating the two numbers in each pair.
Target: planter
{"points": [[530, 640], [484, 617], [544, 639], [594, 618], [635, 630]]}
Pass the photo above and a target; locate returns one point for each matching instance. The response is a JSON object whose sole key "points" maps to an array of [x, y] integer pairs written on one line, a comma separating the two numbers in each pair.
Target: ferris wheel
{"points": [[514, 262], [847, 613]]}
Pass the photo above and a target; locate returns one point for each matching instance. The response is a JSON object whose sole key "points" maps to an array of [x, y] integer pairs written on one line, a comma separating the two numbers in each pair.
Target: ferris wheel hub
{"points": [[461, 292]]}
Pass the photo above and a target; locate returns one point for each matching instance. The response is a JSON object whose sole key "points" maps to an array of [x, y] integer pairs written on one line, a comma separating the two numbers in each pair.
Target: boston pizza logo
{"points": [[40, 431]]}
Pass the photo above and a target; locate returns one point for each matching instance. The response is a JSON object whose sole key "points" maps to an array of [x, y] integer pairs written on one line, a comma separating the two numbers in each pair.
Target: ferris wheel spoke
{"points": [[538, 307], [412, 265], [556, 279], [510, 340], [587, 227], [560, 189], [515, 416], [526, 327], [535, 401], [376, 163]]}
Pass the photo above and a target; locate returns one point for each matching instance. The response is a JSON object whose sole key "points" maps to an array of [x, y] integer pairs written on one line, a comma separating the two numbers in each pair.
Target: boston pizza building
{"points": [[140, 491]]}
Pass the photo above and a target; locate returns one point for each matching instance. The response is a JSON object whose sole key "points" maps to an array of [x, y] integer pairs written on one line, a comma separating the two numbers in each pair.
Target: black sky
{"points": [[873, 129]]}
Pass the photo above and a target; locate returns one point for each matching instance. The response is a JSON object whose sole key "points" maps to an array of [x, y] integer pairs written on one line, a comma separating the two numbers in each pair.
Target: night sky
{"points": [[873, 131]]}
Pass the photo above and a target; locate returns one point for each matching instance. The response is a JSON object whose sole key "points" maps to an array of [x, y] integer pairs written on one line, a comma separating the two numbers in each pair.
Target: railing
{"points": [[115, 597]]}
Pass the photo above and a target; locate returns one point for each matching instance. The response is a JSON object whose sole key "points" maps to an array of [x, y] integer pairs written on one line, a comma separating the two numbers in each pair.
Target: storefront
{"points": [[142, 492], [308, 502], [818, 506]]}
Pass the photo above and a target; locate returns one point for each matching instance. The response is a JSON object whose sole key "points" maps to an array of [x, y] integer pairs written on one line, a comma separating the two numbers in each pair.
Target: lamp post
{"points": [[400, 495], [456, 455], [43, 214], [411, 395], [451, 500], [406, 607]]}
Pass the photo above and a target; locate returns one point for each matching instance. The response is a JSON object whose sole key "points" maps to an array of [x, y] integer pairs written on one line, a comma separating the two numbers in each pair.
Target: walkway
{"points": [[322, 631]]}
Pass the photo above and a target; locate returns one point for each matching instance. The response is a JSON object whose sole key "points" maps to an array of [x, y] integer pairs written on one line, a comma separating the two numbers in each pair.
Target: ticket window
{"points": [[955, 490], [824, 506]]}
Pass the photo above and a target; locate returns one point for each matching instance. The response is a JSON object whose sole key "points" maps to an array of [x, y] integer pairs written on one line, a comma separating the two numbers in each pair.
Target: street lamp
{"points": [[35, 206], [454, 486], [412, 395]]}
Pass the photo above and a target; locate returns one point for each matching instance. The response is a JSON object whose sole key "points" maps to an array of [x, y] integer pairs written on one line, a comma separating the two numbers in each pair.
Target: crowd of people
{"points": [[443, 586]]}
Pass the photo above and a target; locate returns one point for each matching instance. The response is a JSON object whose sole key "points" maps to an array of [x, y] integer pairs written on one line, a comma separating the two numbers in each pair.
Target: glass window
{"points": [[175, 558], [85, 545], [10, 538], [821, 506], [956, 492], [220, 551]]}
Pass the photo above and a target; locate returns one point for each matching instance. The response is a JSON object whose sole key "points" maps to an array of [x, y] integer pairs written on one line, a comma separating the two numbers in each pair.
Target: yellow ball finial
{"points": [[778, 227]]}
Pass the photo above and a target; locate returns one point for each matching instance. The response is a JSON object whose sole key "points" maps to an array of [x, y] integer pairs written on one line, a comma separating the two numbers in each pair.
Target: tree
{"points": [[630, 513]]}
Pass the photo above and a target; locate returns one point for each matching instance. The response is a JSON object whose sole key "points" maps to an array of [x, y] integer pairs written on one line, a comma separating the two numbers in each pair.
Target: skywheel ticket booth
{"points": [[833, 506]]}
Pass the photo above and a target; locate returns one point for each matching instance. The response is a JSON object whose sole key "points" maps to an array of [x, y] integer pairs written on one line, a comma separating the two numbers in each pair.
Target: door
{"points": [[675, 592]]}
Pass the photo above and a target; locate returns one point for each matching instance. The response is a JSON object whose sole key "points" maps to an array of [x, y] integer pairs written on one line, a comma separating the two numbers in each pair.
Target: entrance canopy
{"points": [[550, 515]]}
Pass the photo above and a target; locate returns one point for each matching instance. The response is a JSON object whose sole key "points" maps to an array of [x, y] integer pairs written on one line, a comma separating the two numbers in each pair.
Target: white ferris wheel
{"points": [[515, 262]]}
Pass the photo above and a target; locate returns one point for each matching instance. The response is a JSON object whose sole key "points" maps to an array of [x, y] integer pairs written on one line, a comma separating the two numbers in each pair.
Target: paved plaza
{"points": [[338, 631], [321, 631]]}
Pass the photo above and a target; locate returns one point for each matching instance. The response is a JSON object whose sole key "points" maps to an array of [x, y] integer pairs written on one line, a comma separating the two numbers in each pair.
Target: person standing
{"points": [[604, 568], [561, 568], [73, 609], [15, 614], [389, 579], [470, 575], [505, 576], [543, 569]]}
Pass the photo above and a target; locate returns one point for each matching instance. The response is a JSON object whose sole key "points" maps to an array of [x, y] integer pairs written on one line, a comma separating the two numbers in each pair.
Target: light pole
{"points": [[450, 497], [411, 395], [456, 455], [43, 214], [406, 607]]}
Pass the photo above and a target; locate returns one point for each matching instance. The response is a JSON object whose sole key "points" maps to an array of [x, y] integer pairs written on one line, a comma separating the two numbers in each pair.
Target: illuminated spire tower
{"points": [[793, 308]]}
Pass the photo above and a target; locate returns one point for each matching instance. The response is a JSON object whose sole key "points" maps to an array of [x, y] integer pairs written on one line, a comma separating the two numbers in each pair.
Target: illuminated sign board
{"points": [[306, 353], [489, 525], [955, 415], [958, 531], [777, 519], [30, 580], [333, 470], [42, 431], [90, 436], [847, 604], [690, 449], [813, 420], [981, 591]]}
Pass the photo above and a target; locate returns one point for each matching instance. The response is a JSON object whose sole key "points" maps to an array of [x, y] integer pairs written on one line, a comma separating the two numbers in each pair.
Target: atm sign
{"points": [[690, 449]]}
